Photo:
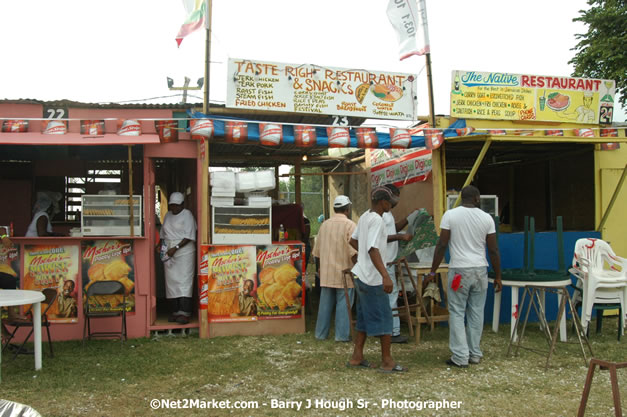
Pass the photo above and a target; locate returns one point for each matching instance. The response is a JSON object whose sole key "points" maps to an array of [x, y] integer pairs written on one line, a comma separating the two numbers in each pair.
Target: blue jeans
{"points": [[468, 301], [334, 298], [374, 315], [393, 296]]}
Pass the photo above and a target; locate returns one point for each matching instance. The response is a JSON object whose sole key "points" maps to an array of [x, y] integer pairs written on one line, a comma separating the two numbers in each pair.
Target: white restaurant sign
{"points": [[262, 85]]}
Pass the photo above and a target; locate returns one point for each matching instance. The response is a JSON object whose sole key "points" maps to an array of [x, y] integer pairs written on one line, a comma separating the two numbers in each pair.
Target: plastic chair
{"points": [[95, 291], [17, 323], [602, 277]]}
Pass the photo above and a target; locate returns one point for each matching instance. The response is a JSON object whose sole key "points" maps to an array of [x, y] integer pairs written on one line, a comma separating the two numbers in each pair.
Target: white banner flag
{"points": [[408, 20]]}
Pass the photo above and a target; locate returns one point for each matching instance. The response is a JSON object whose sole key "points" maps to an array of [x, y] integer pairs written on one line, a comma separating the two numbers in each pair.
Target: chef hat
{"points": [[176, 198]]}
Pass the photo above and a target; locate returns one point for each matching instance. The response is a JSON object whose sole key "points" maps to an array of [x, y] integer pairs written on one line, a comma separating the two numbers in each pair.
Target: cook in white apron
{"points": [[179, 235]]}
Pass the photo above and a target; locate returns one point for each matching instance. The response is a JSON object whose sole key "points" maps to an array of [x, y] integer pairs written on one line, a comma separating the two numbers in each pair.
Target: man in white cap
{"points": [[179, 234], [333, 255]]}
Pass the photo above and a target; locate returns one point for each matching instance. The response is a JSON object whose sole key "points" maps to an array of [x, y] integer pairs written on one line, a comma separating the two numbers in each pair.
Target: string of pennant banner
{"points": [[237, 131]]}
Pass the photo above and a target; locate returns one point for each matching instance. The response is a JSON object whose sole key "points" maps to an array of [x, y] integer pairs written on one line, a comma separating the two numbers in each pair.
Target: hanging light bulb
{"points": [[304, 157]]}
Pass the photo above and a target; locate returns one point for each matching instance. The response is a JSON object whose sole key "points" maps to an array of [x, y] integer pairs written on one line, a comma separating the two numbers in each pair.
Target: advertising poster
{"points": [[305, 88], [10, 265], [109, 260], [503, 96], [48, 266], [399, 167], [280, 294], [231, 283]]}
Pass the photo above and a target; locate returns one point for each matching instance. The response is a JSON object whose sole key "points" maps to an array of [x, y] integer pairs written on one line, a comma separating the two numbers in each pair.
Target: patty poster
{"points": [[504, 96], [52, 266], [231, 283], [109, 260], [280, 294]]}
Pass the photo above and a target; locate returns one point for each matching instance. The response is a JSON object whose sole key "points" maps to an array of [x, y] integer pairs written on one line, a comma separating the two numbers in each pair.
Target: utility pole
{"points": [[185, 87]]}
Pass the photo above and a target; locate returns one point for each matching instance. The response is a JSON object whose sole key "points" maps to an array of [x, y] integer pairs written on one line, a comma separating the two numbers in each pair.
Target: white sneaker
{"points": [[474, 361]]}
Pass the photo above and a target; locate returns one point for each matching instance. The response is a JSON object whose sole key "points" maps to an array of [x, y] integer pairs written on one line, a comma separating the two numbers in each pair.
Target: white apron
{"points": [[32, 227], [180, 269]]}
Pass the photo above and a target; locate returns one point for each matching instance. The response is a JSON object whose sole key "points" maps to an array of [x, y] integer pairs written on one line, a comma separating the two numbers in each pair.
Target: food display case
{"points": [[109, 215], [241, 224]]}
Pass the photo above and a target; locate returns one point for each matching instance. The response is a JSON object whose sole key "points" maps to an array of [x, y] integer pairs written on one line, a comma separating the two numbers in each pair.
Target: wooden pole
{"points": [[297, 183], [613, 200], [474, 169], [203, 150], [130, 189]]}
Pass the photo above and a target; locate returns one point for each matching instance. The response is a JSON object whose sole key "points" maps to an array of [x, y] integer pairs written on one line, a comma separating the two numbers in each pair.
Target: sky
{"points": [[123, 50]]}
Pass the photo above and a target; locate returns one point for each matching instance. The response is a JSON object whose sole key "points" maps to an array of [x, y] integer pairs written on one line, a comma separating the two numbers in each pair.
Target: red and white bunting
{"points": [[129, 127], [235, 132], [304, 136], [366, 137], [554, 132], [15, 126], [92, 127], [584, 133], [55, 127], [339, 137], [434, 138], [270, 134], [399, 139], [609, 133], [167, 130], [465, 131], [497, 131], [201, 128]]}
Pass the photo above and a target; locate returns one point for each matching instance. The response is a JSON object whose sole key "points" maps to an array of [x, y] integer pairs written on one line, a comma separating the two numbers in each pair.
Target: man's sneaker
{"points": [[399, 339], [450, 362], [474, 361]]}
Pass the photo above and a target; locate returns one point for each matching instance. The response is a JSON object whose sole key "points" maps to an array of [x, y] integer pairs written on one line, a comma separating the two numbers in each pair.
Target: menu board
{"points": [[231, 282], [305, 88], [503, 96], [54, 266], [109, 260]]}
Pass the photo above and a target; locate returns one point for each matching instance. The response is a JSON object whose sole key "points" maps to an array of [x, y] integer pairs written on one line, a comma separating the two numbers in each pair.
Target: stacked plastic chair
{"points": [[602, 277]]}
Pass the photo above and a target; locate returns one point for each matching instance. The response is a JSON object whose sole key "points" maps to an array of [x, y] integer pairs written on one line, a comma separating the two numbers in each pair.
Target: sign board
{"points": [[109, 260], [305, 88], [54, 266], [399, 167], [503, 96]]}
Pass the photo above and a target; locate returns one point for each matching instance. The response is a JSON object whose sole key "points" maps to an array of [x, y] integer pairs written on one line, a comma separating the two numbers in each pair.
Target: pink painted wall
{"points": [[143, 247]]}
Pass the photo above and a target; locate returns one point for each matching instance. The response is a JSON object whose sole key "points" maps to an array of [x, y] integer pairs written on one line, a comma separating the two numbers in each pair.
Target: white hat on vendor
{"points": [[176, 198], [341, 201]]}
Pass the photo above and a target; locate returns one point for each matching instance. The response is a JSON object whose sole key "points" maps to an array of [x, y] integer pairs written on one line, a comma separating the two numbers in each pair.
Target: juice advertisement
{"points": [[231, 283], [280, 292], [52, 266]]}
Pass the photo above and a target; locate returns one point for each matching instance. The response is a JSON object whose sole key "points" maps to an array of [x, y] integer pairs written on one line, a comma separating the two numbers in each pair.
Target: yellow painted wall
{"points": [[609, 166]]}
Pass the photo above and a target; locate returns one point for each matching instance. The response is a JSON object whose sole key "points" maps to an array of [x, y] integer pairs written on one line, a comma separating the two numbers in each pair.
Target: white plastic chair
{"points": [[603, 277]]}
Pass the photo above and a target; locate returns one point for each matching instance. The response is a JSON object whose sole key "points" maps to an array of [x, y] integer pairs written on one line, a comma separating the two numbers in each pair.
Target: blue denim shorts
{"points": [[374, 314]]}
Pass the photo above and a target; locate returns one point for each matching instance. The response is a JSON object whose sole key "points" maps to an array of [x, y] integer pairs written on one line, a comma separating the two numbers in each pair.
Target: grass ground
{"points": [[106, 379]]}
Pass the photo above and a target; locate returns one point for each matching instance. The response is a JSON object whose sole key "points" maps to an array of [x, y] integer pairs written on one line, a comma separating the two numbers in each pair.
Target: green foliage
{"points": [[601, 52], [311, 193]]}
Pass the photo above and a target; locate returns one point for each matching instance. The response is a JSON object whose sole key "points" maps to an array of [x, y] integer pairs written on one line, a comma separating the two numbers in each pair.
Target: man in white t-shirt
{"points": [[466, 230], [373, 283]]}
